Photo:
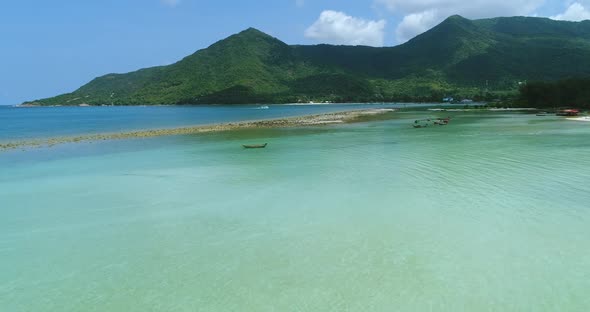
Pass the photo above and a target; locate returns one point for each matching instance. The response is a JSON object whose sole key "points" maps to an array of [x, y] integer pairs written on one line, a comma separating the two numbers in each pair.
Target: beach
{"points": [[585, 118]]}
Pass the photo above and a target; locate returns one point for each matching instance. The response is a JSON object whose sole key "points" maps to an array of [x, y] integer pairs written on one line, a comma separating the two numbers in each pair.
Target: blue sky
{"points": [[53, 47]]}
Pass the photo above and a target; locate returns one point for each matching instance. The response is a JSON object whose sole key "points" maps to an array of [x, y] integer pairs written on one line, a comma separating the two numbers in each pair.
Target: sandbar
{"points": [[300, 121]]}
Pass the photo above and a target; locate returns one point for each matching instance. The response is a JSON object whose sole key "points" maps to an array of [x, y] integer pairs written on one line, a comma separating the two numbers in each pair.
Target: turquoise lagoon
{"points": [[491, 213]]}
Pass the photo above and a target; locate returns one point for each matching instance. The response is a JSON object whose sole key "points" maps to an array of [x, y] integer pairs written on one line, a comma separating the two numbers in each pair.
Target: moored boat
{"points": [[423, 123], [442, 121], [568, 112], [255, 145]]}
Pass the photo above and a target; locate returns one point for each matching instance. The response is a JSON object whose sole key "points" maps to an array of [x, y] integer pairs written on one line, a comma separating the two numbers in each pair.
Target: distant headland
{"points": [[483, 60]]}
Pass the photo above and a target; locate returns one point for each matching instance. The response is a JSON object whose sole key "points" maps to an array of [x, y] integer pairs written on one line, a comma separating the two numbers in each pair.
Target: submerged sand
{"points": [[300, 121]]}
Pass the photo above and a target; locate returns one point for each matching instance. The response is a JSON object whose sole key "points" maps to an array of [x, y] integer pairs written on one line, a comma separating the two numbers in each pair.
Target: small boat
{"points": [[568, 112], [442, 121], [255, 145], [263, 107]]}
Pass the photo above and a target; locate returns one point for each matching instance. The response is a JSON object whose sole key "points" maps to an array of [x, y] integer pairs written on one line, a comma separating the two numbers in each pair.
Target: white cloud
{"points": [[575, 12], [170, 3], [421, 15], [415, 23], [338, 28]]}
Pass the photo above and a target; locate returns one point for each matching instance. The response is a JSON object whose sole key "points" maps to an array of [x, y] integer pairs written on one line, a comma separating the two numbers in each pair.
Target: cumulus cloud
{"points": [[338, 28], [416, 23], [421, 15], [575, 12], [170, 3]]}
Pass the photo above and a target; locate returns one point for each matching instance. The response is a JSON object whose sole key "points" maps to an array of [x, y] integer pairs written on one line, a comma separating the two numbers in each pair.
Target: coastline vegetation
{"points": [[573, 92], [481, 60]]}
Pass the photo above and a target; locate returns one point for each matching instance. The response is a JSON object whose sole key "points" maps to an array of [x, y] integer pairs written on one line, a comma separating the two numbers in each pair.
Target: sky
{"points": [[53, 47]]}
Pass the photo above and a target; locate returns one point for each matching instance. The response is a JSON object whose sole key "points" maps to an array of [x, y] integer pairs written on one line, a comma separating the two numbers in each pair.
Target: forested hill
{"points": [[459, 57]]}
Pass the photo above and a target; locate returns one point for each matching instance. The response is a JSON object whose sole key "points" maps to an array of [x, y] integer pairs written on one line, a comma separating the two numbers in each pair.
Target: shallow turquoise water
{"points": [[491, 213], [17, 123]]}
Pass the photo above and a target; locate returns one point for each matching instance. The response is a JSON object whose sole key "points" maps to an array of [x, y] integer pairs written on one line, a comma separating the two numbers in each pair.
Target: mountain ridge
{"points": [[486, 58]]}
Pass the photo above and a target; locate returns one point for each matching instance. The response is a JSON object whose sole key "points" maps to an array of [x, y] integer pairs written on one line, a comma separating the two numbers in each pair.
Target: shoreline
{"points": [[343, 117], [583, 118], [32, 105]]}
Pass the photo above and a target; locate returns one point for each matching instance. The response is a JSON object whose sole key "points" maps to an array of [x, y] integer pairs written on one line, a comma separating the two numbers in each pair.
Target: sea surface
{"points": [[19, 123], [489, 213]]}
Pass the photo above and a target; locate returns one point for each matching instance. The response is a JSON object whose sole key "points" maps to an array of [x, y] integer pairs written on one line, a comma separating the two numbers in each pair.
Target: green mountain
{"points": [[459, 57]]}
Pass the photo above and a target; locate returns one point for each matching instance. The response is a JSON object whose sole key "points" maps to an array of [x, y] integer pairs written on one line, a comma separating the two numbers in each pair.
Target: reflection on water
{"points": [[489, 213]]}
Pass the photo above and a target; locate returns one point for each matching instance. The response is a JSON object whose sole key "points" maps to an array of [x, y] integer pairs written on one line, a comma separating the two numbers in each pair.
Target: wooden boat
{"points": [[255, 145], [568, 112], [442, 121]]}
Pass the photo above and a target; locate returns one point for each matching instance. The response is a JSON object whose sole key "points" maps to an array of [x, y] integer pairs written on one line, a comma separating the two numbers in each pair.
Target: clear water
{"points": [[491, 213], [18, 123]]}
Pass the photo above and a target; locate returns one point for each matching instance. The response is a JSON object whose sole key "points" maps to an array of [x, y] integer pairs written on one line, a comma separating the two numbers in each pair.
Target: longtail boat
{"points": [[568, 112], [255, 145]]}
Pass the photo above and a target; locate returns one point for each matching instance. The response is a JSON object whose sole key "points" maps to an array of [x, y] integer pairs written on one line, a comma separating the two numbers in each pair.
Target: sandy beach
{"points": [[300, 121], [586, 118]]}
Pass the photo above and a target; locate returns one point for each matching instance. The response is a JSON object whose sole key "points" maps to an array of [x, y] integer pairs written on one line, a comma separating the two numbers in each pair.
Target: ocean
{"points": [[489, 213], [20, 123]]}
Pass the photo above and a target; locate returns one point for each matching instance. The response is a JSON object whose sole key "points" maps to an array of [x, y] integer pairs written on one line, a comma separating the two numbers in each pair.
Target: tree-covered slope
{"points": [[573, 92], [459, 57]]}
